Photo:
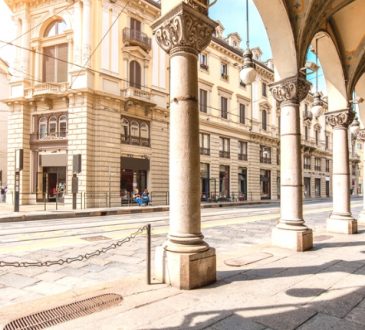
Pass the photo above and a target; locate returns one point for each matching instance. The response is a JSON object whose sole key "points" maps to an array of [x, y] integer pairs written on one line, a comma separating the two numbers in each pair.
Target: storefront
{"points": [[242, 183], [224, 182], [204, 181], [317, 187], [265, 184], [307, 187]]}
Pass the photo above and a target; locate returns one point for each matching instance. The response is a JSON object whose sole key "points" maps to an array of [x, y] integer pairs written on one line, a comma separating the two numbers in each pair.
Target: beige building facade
{"points": [[4, 94], [93, 84]]}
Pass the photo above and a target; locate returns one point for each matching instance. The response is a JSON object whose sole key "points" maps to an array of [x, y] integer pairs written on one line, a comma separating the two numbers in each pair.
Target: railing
{"points": [[224, 154], [265, 160], [216, 197], [136, 37], [204, 151], [224, 76], [307, 166], [137, 141], [48, 136], [242, 156], [204, 66], [317, 168], [46, 88], [138, 93]]}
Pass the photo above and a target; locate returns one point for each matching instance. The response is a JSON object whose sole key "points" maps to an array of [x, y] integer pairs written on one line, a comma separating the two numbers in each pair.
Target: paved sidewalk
{"points": [[278, 289]]}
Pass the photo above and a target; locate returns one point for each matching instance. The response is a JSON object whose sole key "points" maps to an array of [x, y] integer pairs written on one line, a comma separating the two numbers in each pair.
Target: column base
{"points": [[297, 240], [341, 224], [185, 271]]}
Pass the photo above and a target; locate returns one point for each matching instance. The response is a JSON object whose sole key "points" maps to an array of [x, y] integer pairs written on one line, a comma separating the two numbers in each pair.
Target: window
{"points": [[135, 25], [279, 124], [54, 58], [136, 132], [224, 71], [204, 144], [265, 184], [205, 181], [42, 131], [242, 150], [203, 61], [327, 165], [52, 126], [317, 164], [242, 113], [307, 162], [265, 155], [224, 107], [327, 142], [317, 187], [224, 182], [62, 123], [264, 119], [317, 137], [264, 89], [305, 133], [203, 100], [135, 75], [224, 148]]}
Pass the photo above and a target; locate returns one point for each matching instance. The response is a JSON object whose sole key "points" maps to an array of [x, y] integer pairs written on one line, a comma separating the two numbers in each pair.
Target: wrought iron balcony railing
{"points": [[204, 151], [265, 160], [136, 37], [54, 136], [242, 156], [307, 166], [224, 154], [137, 141], [317, 168]]}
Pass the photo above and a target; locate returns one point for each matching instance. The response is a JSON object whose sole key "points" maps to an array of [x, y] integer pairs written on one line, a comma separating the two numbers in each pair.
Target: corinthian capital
{"points": [[341, 118], [184, 29], [361, 135], [293, 89]]}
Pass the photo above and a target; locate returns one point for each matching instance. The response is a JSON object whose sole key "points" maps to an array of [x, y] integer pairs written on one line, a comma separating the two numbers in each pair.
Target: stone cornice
{"points": [[340, 118], [184, 29], [293, 89]]}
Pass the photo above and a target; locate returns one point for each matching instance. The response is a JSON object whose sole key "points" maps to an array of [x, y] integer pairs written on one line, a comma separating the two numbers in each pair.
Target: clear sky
{"points": [[7, 31]]}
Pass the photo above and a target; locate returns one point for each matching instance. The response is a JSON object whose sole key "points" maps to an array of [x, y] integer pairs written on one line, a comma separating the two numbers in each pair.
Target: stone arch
{"points": [[276, 20], [332, 70], [47, 21]]}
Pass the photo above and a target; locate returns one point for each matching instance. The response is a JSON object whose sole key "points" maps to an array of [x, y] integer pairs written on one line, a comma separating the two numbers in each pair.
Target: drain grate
{"points": [[64, 313]]}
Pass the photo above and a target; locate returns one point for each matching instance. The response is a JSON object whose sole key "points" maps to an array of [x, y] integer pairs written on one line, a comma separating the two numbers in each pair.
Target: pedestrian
{"points": [[146, 197], [137, 197], [2, 197]]}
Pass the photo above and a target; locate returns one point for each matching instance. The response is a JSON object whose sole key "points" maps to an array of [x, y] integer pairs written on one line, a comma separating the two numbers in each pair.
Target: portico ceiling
{"points": [[343, 20]]}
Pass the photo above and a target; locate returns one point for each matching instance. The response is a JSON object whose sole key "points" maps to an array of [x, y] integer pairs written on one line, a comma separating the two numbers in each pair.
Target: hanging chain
{"points": [[81, 257]]}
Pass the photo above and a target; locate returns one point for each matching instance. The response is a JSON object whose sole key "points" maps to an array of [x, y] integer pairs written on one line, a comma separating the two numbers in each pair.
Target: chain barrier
{"points": [[80, 257]]}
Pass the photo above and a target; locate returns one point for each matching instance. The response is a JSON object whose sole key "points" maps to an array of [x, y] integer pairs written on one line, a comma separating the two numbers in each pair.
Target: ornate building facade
{"points": [[93, 82]]}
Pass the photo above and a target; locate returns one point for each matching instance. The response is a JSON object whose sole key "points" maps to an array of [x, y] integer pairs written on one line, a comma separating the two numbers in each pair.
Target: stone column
{"points": [[291, 231], [185, 260], [86, 33], [341, 220], [361, 137]]}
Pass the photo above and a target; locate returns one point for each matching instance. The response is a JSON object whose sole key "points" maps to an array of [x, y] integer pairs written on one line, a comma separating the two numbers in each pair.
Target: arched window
{"points": [[135, 75], [42, 128], [55, 28], [55, 56], [264, 119], [62, 123], [52, 126], [145, 134], [125, 130], [134, 132]]}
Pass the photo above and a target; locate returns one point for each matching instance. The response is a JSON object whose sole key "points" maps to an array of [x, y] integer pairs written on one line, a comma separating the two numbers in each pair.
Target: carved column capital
{"points": [[184, 29], [361, 135], [340, 118], [293, 89]]}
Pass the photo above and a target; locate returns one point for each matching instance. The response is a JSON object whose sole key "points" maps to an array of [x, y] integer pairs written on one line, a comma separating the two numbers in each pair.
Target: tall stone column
{"points": [[341, 220], [185, 260], [361, 137], [291, 231], [86, 33]]}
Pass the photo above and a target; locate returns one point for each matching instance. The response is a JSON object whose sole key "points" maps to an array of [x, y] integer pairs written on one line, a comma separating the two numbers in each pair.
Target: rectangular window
{"points": [[307, 162], [224, 107], [306, 133], [327, 165], [224, 70], [205, 182], [224, 182], [55, 63], [264, 89], [135, 25], [224, 148], [204, 144], [242, 150], [317, 137], [265, 155], [327, 142], [203, 100], [203, 61], [317, 187], [317, 164], [242, 113]]}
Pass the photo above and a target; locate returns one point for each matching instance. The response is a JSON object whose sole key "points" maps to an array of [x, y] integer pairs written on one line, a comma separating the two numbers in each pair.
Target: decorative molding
{"points": [[341, 118], [361, 135], [184, 29], [293, 89]]}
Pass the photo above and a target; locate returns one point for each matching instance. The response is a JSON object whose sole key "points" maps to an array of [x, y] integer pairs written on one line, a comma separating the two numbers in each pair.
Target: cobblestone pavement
{"points": [[229, 230]]}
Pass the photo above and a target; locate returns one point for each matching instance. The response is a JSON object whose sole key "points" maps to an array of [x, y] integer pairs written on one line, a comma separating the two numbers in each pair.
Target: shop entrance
{"points": [[265, 183], [52, 184]]}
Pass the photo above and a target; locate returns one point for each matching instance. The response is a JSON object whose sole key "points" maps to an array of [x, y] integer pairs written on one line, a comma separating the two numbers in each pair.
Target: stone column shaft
{"points": [[341, 220], [86, 33], [185, 260], [291, 231]]}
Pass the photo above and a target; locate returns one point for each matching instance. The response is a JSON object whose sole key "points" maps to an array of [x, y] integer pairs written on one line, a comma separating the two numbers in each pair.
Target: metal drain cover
{"points": [[64, 313], [246, 260], [95, 238]]}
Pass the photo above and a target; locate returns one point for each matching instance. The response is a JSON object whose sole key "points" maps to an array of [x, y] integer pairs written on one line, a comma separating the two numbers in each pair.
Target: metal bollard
{"points": [[149, 254]]}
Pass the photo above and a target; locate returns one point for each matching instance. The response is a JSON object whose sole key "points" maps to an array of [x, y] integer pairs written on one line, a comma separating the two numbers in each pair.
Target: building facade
{"points": [[4, 94], [92, 84]]}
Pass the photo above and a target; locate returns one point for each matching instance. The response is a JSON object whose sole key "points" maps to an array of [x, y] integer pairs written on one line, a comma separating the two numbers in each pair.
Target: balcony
{"points": [[265, 160], [205, 151], [242, 156], [137, 94], [45, 89], [224, 76], [55, 138], [204, 66], [317, 168], [307, 166], [132, 37], [135, 140], [224, 154]]}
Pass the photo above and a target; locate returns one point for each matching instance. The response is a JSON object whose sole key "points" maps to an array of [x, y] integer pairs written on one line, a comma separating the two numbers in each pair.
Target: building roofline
{"points": [[224, 44]]}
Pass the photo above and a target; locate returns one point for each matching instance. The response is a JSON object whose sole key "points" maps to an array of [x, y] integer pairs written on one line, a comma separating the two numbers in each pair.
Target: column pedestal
{"points": [[297, 240], [185, 270], [342, 224]]}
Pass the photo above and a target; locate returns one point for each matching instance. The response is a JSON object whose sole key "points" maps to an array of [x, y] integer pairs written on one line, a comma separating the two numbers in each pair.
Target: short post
{"points": [[148, 254], [44, 201], [75, 187], [18, 168], [56, 199]]}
